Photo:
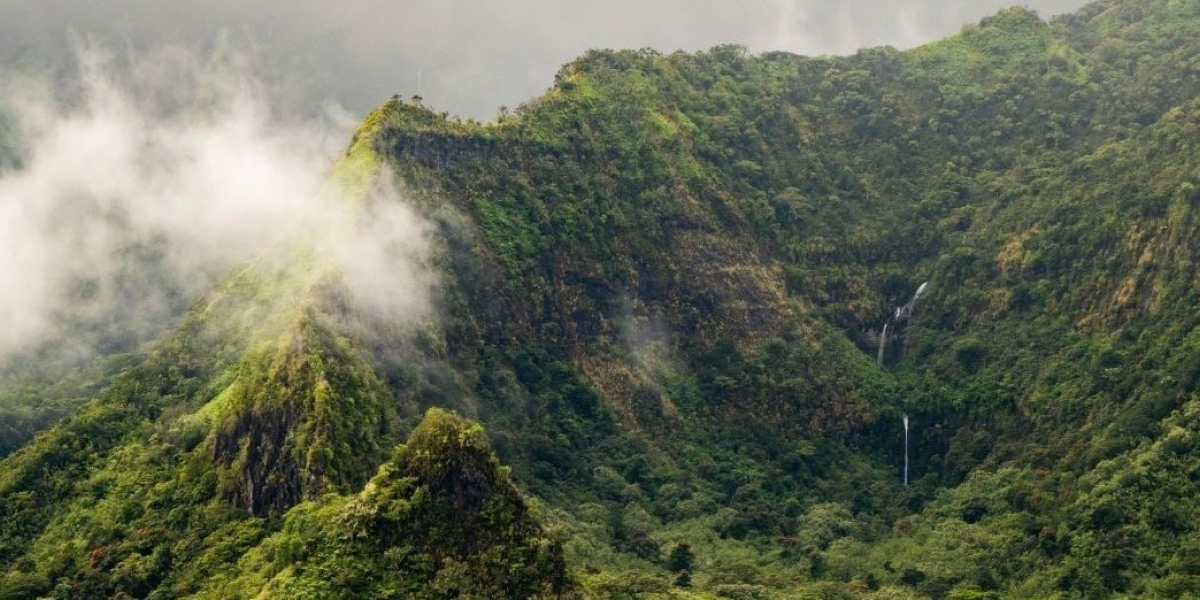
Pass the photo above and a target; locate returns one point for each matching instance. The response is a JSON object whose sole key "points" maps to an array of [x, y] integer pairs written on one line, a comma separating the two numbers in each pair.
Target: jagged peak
{"points": [[305, 415], [440, 519]]}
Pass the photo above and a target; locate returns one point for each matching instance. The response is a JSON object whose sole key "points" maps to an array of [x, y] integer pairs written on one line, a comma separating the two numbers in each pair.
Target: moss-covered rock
{"points": [[440, 520]]}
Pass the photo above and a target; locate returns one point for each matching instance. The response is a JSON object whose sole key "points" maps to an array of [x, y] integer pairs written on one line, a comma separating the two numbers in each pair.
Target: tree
{"points": [[681, 559]]}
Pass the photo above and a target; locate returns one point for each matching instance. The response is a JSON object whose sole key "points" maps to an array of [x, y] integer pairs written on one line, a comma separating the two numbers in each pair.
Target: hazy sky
{"points": [[465, 56]]}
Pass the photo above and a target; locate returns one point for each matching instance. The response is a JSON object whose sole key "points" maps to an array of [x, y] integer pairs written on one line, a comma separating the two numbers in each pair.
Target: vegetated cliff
{"points": [[662, 291], [440, 519]]}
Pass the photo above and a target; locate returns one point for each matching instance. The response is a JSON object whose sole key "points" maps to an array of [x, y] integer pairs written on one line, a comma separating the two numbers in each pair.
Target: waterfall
{"points": [[903, 314], [917, 295], [882, 343]]}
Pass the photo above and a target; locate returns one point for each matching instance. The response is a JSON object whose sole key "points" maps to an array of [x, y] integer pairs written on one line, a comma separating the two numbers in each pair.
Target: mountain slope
{"points": [[669, 289]]}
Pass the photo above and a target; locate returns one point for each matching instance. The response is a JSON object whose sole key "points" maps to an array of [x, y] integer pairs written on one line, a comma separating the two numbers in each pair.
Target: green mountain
{"points": [[680, 294]]}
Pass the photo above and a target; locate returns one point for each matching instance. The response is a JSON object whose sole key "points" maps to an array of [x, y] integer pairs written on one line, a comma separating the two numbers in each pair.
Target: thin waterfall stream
{"points": [[903, 314], [882, 344]]}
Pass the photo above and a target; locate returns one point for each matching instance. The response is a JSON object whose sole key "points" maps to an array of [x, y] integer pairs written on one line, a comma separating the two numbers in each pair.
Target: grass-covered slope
{"points": [[663, 287]]}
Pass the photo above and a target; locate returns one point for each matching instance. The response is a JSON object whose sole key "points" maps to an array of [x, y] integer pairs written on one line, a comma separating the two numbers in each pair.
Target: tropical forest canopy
{"points": [[676, 299]]}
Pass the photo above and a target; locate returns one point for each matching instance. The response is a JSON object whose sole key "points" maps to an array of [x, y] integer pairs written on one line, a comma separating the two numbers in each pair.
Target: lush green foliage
{"points": [[440, 519], [663, 289]]}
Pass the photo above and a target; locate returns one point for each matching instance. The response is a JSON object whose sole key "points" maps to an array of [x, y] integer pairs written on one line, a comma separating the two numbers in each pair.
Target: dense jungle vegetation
{"points": [[662, 299]]}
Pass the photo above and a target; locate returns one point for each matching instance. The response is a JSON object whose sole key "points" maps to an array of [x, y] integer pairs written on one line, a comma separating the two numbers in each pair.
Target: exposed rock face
{"points": [[439, 151], [263, 475], [304, 416]]}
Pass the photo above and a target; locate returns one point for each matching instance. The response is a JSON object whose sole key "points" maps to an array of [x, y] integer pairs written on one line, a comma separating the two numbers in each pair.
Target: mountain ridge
{"points": [[663, 290]]}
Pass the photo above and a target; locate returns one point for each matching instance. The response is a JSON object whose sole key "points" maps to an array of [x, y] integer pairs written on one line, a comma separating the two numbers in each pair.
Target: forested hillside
{"points": [[678, 295]]}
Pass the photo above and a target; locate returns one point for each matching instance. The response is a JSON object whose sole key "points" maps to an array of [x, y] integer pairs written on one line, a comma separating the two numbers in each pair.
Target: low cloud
{"points": [[149, 183], [383, 254]]}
